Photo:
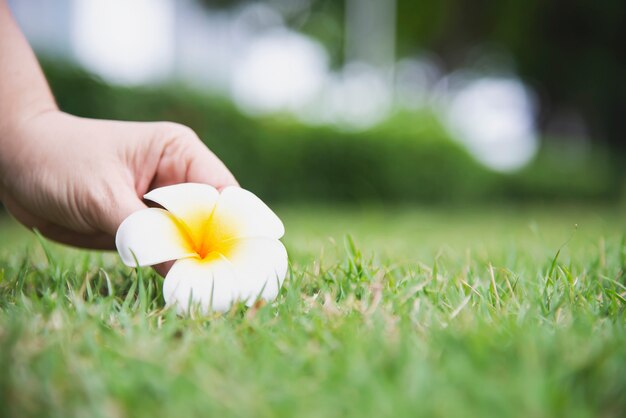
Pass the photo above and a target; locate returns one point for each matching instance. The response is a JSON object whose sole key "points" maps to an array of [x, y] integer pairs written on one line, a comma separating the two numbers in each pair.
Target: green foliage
{"points": [[473, 324], [409, 158], [571, 54]]}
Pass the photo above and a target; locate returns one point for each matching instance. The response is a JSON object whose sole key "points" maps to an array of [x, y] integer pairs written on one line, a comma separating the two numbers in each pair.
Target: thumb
{"points": [[203, 166]]}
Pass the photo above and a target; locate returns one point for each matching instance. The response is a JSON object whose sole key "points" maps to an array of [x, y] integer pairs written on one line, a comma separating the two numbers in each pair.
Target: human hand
{"points": [[77, 179]]}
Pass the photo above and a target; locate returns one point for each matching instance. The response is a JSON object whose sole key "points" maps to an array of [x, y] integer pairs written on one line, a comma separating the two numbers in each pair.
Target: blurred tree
{"points": [[572, 52]]}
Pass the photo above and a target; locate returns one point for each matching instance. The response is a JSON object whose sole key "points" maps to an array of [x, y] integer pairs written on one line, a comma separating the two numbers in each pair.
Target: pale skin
{"points": [[77, 179]]}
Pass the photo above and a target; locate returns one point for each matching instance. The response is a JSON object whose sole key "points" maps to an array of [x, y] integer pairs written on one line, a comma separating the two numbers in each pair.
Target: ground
{"points": [[481, 311]]}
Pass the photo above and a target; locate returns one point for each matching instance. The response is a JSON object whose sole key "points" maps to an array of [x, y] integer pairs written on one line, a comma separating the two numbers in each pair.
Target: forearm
{"points": [[24, 91], [24, 94]]}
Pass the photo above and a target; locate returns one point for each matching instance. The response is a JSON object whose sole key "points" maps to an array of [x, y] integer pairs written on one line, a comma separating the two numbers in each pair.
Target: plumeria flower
{"points": [[226, 245]]}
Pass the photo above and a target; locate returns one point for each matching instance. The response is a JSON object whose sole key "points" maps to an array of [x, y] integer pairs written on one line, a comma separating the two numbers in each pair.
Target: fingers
{"points": [[61, 234], [185, 158], [117, 206], [98, 241], [104, 213]]}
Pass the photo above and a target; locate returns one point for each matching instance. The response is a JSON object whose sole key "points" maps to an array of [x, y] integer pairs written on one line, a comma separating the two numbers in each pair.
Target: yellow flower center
{"points": [[207, 236]]}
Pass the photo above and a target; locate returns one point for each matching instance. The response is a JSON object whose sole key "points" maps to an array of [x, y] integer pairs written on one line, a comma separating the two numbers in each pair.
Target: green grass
{"points": [[422, 312]]}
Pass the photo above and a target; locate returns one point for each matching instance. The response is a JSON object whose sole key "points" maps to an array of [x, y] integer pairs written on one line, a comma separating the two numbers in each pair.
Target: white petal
{"points": [[252, 217], [190, 202], [260, 265], [209, 283], [150, 236]]}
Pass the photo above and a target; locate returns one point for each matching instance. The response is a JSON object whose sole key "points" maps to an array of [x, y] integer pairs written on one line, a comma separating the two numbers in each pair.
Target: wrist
{"points": [[14, 122], [18, 142]]}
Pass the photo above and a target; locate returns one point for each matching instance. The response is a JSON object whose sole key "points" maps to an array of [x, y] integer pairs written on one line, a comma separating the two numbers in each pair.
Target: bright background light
{"points": [[124, 41], [280, 71], [494, 117]]}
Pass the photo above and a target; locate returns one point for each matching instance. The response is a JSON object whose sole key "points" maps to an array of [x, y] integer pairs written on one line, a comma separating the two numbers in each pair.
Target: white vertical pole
{"points": [[371, 32]]}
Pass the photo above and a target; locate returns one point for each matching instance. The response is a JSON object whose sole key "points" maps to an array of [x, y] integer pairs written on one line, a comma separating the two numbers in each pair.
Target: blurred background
{"points": [[360, 101]]}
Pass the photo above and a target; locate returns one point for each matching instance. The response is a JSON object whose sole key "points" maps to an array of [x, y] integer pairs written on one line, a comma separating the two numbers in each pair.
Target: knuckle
{"points": [[178, 131], [176, 139]]}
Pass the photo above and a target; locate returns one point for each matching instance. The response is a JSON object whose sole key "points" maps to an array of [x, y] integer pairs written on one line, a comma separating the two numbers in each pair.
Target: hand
{"points": [[77, 179]]}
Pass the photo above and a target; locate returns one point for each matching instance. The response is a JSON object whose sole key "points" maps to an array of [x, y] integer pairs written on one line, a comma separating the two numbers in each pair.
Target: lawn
{"points": [[477, 312]]}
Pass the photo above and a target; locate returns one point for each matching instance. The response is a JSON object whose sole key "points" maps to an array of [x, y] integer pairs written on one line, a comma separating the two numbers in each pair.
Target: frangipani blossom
{"points": [[226, 245]]}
